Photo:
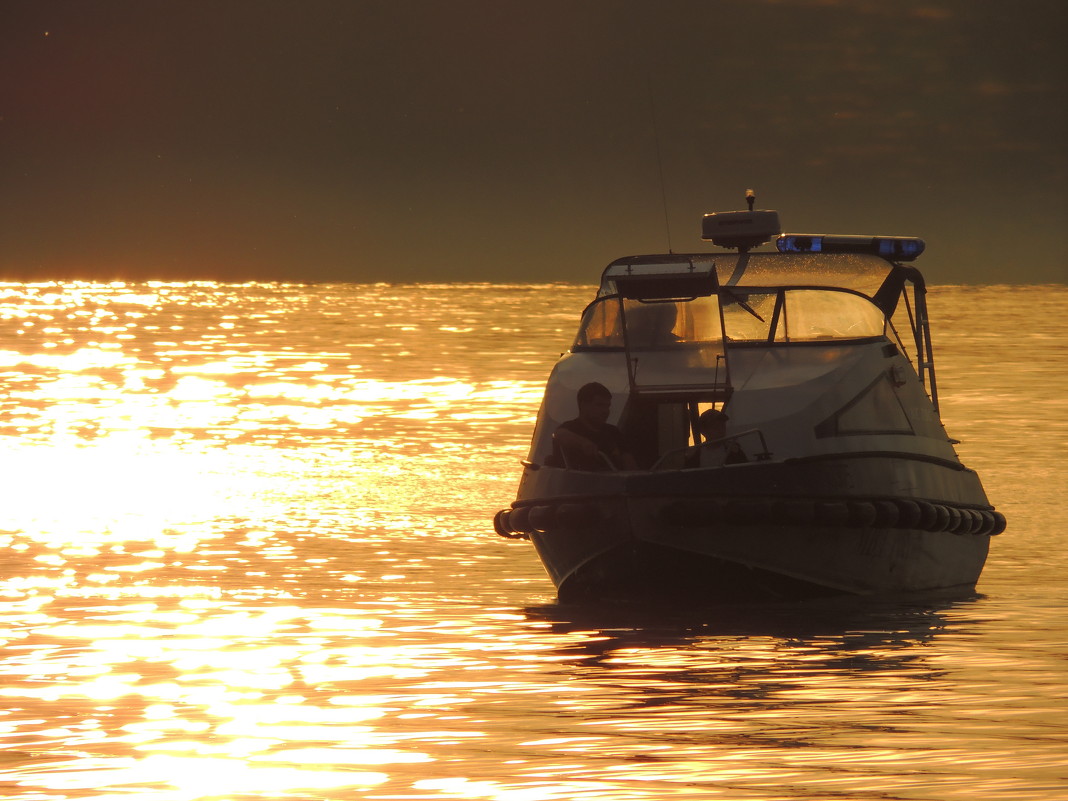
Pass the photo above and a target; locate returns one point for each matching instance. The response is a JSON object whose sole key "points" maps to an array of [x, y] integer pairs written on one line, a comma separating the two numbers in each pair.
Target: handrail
{"points": [[921, 333], [604, 458], [764, 455], [926, 360]]}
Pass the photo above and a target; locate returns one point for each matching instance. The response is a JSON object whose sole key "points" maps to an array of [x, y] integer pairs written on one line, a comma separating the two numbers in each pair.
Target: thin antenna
{"points": [[659, 163]]}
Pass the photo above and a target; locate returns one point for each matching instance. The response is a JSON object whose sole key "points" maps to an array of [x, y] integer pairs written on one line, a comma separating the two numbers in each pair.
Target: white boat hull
{"points": [[789, 363]]}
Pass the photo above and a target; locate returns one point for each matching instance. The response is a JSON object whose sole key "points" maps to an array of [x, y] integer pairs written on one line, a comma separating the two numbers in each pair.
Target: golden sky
{"points": [[386, 140]]}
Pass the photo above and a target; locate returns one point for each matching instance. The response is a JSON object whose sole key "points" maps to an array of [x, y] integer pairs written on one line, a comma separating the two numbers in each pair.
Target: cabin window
{"points": [[650, 325], [748, 316], [602, 325], [661, 324], [814, 314], [799, 315]]}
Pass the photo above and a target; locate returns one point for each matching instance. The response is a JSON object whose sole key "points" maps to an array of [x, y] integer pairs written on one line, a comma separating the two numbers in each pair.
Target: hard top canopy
{"points": [[859, 272]]}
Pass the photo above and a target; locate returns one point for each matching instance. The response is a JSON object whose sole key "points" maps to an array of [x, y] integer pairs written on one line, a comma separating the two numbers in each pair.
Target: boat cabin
{"points": [[674, 335]]}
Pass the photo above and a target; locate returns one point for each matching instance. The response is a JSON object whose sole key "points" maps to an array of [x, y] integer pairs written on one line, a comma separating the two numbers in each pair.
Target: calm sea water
{"points": [[247, 554]]}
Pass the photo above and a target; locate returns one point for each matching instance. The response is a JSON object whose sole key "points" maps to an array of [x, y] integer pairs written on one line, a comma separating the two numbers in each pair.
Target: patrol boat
{"points": [[846, 483]]}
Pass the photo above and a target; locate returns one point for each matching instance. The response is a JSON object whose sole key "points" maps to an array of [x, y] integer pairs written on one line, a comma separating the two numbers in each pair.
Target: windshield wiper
{"points": [[742, 303]]}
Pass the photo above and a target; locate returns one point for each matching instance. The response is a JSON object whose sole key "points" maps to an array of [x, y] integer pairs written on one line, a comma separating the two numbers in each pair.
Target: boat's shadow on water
{"points": [[858, 624]]}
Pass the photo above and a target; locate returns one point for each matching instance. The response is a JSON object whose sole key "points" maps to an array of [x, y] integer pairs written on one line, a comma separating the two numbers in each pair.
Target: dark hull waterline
{"points": [[759, 532]]}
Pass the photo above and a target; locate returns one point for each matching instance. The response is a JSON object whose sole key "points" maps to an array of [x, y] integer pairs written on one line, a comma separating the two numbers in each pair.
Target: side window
{"points": [[651, 325], [814, 314], [747, 316], [602, 325]]}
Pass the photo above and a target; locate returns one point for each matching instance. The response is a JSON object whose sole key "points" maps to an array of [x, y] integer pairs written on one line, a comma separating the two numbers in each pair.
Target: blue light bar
{"points": [[896, 248]]}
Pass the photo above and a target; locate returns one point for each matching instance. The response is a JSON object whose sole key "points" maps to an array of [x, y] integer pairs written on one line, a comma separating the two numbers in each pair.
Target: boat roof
{"points": [[864, 273]]}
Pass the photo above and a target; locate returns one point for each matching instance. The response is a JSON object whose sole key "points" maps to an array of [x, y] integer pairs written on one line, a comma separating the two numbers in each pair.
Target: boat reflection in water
{"points": [[778, 438], [875, 634]]}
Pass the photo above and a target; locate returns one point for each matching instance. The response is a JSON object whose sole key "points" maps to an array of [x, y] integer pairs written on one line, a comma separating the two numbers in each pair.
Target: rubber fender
{"points": [[794, 510], [908, 513], [886, 514], [519, 519], [928, 516], [968, 521], [500, 524], [978, 522], [999, 523], [954, 526], [987, 525], [861, 513], [577, 515], [542, 518], [832, 513], [942, 518]]}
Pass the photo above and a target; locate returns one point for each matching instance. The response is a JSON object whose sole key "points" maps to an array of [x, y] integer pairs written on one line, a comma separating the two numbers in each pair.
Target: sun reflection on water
{"points": [[177, 455], [247, 555]]}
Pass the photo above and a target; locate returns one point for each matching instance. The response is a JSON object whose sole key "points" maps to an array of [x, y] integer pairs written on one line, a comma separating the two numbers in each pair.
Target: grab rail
{"points": [[603, 456]]}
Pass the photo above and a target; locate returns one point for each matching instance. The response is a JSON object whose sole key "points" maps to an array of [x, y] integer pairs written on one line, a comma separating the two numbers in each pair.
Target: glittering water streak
{"points": [[248, 555]]}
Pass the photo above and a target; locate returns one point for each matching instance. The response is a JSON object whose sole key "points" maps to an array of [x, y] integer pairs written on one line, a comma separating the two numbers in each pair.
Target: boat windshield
{"points": [[614, 322], [859, 272], [750, 314], [798, 315]]}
